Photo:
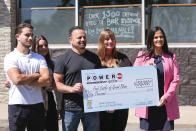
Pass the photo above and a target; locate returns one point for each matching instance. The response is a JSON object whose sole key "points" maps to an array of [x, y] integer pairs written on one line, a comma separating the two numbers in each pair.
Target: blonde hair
{"points": [[101, 48]]}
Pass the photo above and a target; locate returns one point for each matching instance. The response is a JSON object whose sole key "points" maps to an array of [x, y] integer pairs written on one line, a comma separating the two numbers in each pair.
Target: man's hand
{"points": [[43, 79], [77, 88], [60, 86]]}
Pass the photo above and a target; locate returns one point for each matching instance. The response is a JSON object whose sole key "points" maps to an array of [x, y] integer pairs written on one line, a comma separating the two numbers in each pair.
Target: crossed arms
{"points": [[38, 79]]}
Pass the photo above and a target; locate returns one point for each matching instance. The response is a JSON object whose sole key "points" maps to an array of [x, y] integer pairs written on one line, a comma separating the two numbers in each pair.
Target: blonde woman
{"points": [[110, 58]]}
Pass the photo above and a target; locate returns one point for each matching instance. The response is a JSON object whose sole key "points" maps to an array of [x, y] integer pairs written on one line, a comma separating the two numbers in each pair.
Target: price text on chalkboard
{"points": [[125, 22]]}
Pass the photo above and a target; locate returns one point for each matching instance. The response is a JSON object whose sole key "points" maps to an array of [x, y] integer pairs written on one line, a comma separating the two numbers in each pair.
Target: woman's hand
{"points": [[7, 84], [59, 114], [162, 102], [151, 63], [111, 111]]}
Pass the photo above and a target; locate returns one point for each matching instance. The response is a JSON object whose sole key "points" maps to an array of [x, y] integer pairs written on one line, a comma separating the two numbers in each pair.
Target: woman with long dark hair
{"points": [[40, 46], [162, 116]]}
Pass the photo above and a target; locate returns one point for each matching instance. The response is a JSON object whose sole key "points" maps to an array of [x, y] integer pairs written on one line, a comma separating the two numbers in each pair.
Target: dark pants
{"points": [[116, 121], [51, 119], [30, 116]]}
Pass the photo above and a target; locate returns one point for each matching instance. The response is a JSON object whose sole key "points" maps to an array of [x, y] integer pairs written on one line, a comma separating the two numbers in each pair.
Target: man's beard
{"points": [[82, 46], [27, 45]]}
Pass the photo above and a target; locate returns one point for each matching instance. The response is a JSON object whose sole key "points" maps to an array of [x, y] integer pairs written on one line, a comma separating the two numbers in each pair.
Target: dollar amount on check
{"points": [[119, 88]]}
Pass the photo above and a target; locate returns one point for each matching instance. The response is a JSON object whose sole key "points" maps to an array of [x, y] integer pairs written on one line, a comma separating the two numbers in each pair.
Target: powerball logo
{"points": [[104, 78]]}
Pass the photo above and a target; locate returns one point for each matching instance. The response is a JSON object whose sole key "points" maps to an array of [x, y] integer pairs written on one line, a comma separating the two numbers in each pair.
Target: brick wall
{"points": [[7, 22]]}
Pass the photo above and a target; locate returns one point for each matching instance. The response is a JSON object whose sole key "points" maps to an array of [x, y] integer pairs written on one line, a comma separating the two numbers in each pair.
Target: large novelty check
{"points": [[119, 88]]}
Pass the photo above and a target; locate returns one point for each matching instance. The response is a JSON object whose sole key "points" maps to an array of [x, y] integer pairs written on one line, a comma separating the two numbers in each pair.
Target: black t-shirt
{"points": [[70, 65]]}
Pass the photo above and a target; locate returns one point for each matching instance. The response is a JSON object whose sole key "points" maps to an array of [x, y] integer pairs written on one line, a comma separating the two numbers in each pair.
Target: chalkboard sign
{"points": [[54, 24], [178, 22], [125, 22]]}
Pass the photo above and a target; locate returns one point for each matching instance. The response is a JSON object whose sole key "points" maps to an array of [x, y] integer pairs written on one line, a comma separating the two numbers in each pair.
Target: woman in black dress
{"points": [[40, 46], [110, 58]]}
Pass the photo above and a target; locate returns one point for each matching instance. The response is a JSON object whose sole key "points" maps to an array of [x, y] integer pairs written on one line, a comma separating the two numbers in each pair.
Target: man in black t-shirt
{"points": [[67, 75]]}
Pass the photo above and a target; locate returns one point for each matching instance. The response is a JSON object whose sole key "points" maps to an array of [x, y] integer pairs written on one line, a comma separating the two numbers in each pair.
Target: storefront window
{"points": [[49, 18], [176, 17], [53, 18]]}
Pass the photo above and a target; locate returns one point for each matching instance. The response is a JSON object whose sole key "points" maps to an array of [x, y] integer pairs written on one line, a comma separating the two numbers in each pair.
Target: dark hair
{"points": [[74, 28], [19, 28], [35, 49], [150, 44]]}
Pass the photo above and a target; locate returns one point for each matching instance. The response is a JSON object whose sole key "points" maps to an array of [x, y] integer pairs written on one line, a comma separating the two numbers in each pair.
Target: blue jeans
{"points": [[71, 120]]}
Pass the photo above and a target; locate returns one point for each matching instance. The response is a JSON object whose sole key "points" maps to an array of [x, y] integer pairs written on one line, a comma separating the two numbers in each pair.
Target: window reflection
{"points": [[65, 3], [39, 3]]}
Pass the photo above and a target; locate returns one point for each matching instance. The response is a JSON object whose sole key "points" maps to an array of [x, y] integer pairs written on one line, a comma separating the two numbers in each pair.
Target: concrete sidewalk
{"points": [[187, 117], [4, 117]]}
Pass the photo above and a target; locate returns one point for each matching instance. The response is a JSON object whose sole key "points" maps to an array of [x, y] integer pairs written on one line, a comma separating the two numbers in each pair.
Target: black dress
{"points": [[51, 119], [157, 116], [116, 121]]}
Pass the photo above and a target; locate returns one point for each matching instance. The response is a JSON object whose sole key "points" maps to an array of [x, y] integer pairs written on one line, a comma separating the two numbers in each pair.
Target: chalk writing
{"points": [[125, 22]]}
